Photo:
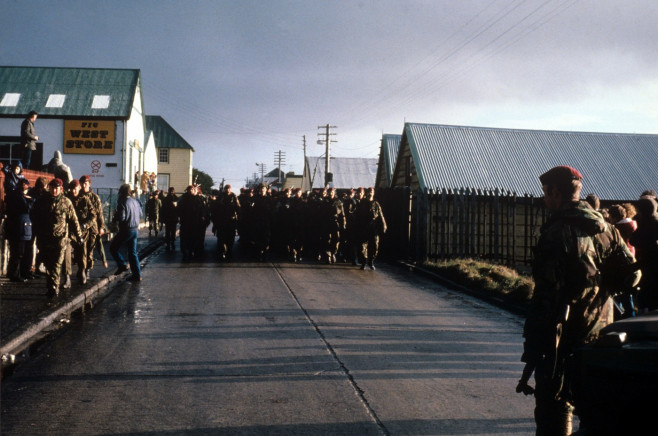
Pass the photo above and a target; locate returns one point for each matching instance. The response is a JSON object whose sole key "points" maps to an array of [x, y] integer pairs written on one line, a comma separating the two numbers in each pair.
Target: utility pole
{"points": [[304, 165], [262, 171], [328, 177], [279, 160]]}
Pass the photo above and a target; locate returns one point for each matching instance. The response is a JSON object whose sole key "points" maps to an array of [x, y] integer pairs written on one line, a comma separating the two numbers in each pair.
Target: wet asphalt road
{"points": [[275, 348]]}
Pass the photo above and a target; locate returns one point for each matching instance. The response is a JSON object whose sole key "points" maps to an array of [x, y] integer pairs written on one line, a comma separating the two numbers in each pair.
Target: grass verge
{"points": [[498, 280]]}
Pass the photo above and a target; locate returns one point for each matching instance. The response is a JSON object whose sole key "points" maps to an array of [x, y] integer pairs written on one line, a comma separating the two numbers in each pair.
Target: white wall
{"points": [[51, 134]]}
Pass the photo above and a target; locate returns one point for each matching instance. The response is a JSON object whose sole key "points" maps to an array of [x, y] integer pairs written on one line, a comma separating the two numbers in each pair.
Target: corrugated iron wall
{"points": [[435, 225]]}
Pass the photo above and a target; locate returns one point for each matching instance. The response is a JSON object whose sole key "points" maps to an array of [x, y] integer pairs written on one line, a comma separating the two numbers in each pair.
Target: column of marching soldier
{"points": [[317, 225], [64, 222]]}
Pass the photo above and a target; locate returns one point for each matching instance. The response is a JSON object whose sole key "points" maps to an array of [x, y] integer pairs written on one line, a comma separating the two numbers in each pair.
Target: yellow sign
{"points": [[89, 137]]}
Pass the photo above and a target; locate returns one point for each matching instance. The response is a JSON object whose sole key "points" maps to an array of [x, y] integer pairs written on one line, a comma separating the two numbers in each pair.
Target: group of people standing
{"points": [[65, 223], [147, 182], [637, 224]]}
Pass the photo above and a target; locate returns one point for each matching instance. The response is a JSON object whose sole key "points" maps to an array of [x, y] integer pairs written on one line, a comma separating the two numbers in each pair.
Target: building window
{"points": [[10, 99], [163, 155], [55, 100], [100, 102], [163, 182]]}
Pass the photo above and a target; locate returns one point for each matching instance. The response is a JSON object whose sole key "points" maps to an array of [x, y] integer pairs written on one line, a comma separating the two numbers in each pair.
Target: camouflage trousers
{"points": [[154, 223], [53, 253], [369, 249], [85, 257], [332, 242]]}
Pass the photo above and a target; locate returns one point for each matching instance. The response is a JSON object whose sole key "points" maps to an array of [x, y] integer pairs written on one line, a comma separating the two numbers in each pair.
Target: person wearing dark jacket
{"points": [[19, 232], [29, 138], [645, 241], [224, 215], [127, 215], [169, 216], [261, 225], [13, 175], [39, 189], [193, 214], [57, 167]]}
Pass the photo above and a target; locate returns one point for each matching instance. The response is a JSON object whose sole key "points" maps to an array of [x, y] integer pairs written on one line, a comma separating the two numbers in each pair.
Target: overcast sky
{"points": [[241, 80]]}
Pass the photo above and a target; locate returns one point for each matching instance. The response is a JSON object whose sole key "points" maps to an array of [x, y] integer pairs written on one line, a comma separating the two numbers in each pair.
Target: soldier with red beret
{"points": [[569, 305], [54, 220]]}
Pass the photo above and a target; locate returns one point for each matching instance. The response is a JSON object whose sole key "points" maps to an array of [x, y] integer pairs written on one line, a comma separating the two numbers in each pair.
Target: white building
{"points": [[93, 116]]}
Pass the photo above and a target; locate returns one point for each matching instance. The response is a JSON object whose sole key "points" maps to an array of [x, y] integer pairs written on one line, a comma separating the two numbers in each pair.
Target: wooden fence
{"points": [[432, 225]]}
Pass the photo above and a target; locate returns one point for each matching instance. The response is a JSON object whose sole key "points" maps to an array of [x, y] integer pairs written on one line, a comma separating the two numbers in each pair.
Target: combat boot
{"points": [[82, 276], [53, 291]]}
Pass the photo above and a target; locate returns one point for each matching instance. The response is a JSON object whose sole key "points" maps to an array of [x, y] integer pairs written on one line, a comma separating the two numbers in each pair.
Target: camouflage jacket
{"points": [[370, 218], [153, 206], [334, 212], [54, 218], [97, 206], [575, 244], [84, 210]]}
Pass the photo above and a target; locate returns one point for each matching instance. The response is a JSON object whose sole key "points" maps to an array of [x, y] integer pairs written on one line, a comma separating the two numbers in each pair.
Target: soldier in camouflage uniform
{"points": [[370, 225], [569, 305], [96, 228], [224, 215], [153, 206], [349, 239], [86, 214], [298, 224], [334, 224], [53, 220]]}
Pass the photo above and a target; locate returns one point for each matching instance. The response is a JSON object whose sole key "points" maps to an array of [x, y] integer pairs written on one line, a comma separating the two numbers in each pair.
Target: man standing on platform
{"points": [[29, 138]]}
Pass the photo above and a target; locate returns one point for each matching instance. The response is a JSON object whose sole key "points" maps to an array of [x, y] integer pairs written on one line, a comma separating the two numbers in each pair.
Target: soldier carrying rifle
{"points": [[570, 304]]}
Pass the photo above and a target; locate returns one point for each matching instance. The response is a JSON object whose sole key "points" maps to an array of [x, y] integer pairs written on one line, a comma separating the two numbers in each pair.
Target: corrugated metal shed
{"points": [[349, 172], [165, 135], [387, 157], [68, 92], [615, 166]]}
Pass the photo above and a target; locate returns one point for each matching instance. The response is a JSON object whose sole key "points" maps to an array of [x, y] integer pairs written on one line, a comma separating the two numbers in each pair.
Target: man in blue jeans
{"points": [[127, 215]]}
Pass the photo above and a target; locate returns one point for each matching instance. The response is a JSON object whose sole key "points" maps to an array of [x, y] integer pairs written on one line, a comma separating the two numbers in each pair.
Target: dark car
{"points": [[617, 388]]}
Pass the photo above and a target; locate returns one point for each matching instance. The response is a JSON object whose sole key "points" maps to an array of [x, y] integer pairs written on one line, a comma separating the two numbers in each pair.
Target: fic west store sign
{"points": [[89, 137]]}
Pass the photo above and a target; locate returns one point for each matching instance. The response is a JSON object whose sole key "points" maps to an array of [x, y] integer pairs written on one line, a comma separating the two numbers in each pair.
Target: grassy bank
{"points": [[498, 280]]}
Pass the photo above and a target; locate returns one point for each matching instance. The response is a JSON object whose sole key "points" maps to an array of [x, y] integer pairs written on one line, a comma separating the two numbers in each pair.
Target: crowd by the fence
{"points": [[55, 224]]}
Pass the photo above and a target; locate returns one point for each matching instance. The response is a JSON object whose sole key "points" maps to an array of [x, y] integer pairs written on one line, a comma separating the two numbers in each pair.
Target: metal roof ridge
{"points": [[512, 129]]}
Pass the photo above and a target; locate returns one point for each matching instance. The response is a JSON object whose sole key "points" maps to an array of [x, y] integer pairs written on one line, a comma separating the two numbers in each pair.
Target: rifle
{"points": [[523, 386]]}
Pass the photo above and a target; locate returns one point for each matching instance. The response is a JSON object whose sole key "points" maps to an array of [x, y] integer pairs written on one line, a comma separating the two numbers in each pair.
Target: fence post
{"points": [[514, 205], [421, 226]]}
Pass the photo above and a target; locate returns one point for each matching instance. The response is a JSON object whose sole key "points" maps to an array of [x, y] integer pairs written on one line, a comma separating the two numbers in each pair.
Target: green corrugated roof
{"points": [[33, 86], [165, 136]]}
